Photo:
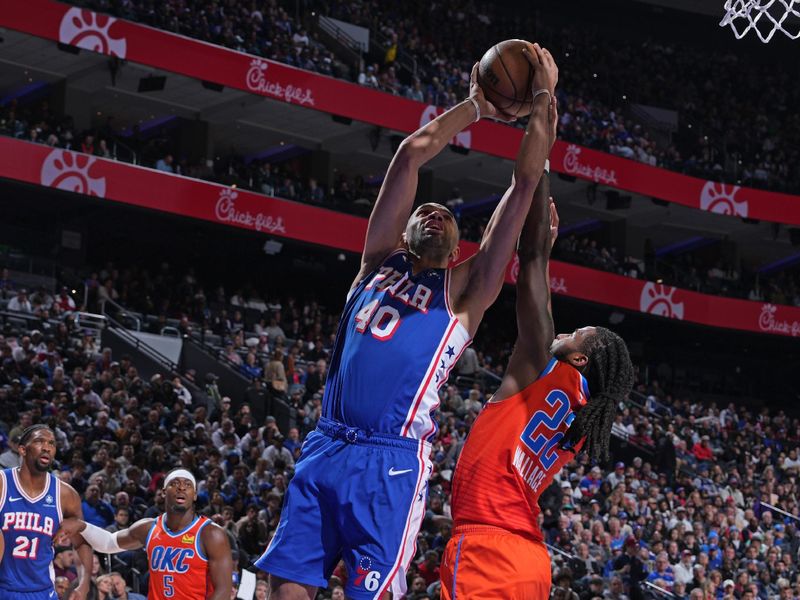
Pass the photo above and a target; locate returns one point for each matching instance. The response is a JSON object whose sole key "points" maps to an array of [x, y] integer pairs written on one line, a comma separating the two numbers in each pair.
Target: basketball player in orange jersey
{"points": [[189, 556], [33, 503], [558, 397]]}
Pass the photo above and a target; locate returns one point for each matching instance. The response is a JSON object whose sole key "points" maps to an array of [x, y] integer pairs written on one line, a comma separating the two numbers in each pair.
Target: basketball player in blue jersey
{"points": [[359, 489], [33, 502]]}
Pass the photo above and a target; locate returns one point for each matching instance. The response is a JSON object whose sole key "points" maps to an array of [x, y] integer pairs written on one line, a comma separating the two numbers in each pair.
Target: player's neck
{"points": [[33, 482], [419, 264], [177, 521]]}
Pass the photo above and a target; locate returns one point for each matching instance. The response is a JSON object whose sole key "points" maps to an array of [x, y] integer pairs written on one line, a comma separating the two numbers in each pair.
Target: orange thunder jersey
{"points": [[178, 567], [512, 453]]}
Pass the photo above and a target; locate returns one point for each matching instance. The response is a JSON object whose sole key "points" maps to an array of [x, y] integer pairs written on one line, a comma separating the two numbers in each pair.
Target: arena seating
{"points": [[694, 486], [604, 72], [348, 193]]}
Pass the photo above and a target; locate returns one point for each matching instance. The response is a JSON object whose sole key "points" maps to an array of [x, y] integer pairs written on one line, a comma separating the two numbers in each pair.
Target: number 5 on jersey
{"points": [[382, 322]]}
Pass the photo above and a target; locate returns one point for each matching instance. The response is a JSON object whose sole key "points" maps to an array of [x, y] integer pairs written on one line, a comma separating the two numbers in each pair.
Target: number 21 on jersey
{"points": [[544, 444]]}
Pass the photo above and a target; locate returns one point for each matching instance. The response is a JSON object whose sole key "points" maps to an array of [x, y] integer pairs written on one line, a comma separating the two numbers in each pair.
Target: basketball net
{"points": [[764, 16]]}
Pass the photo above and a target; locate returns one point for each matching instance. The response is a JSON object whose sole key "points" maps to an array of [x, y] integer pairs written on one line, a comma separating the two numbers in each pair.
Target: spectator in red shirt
{"points": [[701, 450], [65, 303], [429, 567]]}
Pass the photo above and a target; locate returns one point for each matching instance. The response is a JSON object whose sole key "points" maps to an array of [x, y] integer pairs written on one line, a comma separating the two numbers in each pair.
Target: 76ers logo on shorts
{"points": [[371, 580]]}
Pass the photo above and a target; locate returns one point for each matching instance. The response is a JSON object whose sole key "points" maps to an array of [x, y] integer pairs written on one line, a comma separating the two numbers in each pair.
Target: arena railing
{"points": [[207, 62]]}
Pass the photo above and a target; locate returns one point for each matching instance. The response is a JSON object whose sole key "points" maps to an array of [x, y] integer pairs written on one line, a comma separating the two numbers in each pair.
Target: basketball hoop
{"points": [[764, 16]]}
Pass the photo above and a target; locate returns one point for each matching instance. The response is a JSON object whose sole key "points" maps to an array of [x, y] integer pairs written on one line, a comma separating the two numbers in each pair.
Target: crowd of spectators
{"points": [[688, 271], [357, 194], [688, 510], [732, 129]]}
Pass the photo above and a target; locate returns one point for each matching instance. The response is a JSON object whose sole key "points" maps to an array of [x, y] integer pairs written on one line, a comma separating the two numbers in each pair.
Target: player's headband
{"points": [[183, 473]]}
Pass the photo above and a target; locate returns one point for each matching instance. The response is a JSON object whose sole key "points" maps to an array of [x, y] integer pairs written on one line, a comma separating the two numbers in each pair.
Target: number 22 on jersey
{"points": [[543, 443]]}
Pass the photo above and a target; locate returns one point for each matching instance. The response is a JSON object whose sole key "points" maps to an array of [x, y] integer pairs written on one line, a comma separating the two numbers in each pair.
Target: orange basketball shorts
{"points": [[488, 563]]}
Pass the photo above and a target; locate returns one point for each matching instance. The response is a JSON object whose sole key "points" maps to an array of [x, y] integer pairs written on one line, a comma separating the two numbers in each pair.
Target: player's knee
{"points": [[283, 589]]}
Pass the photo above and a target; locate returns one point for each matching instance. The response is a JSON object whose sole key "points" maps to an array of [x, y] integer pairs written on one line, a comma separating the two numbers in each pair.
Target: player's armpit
{"points": [[220, 562]]}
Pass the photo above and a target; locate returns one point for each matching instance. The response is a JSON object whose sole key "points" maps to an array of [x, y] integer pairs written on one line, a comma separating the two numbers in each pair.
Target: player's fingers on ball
{"points": [[539, 54], [474, 74], [531, 56]]}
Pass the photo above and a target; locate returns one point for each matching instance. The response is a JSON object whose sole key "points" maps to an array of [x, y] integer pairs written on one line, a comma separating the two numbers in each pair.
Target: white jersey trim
{"points": [[418, 422], [360, 281], [22, 489], [59, 484], [5, 489], [416, 512]]}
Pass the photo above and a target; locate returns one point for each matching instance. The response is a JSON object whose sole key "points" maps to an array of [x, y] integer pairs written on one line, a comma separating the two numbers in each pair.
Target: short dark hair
{"points": [[29, 431]]}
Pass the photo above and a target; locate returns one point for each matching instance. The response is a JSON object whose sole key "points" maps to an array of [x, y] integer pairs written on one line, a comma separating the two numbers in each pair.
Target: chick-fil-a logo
{"points": [[256, 80], [721, 199], [226, 212], [70, 171], [657, 299], [88, 30], [573, 166], [768, 321]]}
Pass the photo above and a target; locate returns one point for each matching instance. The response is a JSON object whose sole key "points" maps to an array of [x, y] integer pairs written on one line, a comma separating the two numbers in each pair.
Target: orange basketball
{"points": [[506, 77]]}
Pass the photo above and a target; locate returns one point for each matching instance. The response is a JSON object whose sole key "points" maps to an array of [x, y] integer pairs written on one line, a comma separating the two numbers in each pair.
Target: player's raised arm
{"points": [[132, 538], [535, 329], [478, 280], [220, 562], [71, 509], [396, 197]]}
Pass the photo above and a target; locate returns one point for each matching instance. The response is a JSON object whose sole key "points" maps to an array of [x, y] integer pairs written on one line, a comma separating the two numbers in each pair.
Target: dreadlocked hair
{"points": [[29, 431], [609, 372]]}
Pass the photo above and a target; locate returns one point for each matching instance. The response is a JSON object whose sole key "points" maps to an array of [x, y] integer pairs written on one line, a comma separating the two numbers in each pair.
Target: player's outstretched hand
{"points": [[69, 529], [487, 108], [553, 222], [545, 70]]}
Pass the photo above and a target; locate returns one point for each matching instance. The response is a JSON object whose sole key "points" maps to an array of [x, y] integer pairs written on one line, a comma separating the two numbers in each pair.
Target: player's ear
{"points": [[455, 254], [577, 359]]}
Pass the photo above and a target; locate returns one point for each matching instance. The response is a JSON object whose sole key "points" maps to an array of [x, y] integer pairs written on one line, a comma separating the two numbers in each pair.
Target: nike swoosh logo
{"points": [[14, 499], [392, 472]]}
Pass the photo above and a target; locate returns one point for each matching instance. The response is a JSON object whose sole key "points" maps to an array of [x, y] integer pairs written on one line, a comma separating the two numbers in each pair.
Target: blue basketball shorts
{"points": [[356, 497], [46, 594]]}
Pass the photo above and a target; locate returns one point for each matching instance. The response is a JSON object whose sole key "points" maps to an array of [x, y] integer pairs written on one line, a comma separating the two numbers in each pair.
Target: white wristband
{"points": [[101, 540], [477, 108], [547, 166], [539, 93]]}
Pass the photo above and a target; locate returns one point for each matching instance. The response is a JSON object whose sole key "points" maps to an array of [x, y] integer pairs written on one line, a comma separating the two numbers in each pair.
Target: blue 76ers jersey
{"points": [[396, 344], [27, 526]]}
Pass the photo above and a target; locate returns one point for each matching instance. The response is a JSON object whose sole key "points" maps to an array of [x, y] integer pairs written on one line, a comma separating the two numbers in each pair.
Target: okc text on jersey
{"points": [[170, 560]]}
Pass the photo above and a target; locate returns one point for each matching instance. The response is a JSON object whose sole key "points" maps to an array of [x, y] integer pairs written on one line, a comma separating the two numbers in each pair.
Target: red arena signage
{"points": [[201, 60], [156, 190]]}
